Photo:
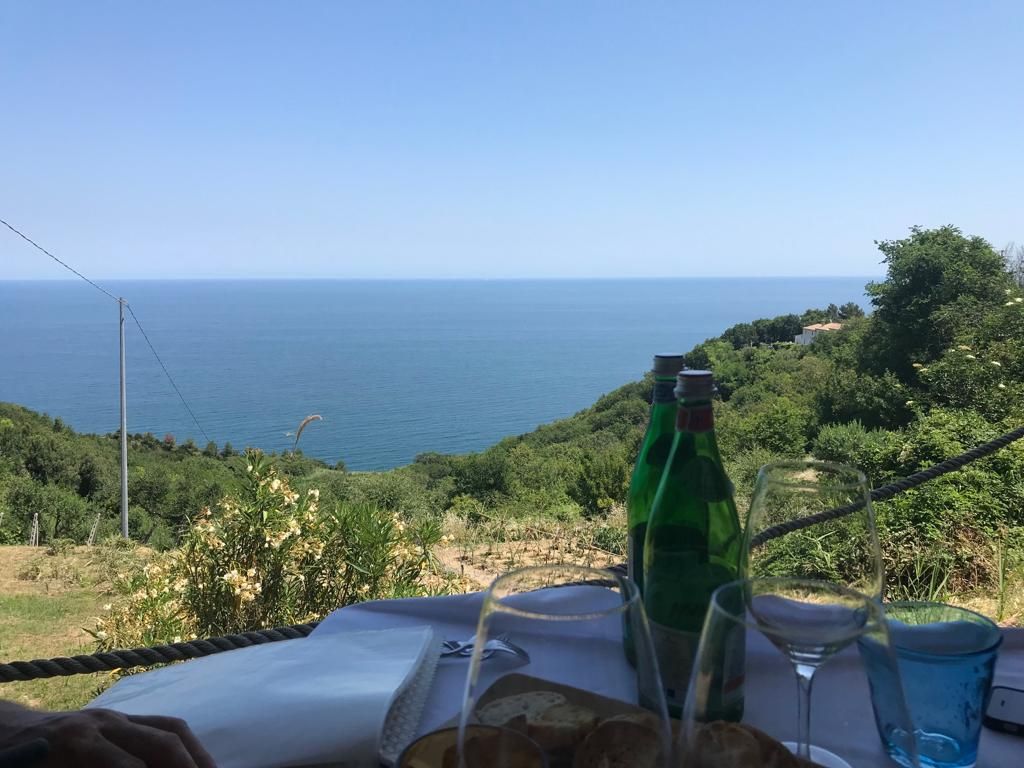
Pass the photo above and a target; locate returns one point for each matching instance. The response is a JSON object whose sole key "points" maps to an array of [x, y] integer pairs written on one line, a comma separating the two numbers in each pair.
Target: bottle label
{"points": [[675, 651], [664, 392], [695, 418]]}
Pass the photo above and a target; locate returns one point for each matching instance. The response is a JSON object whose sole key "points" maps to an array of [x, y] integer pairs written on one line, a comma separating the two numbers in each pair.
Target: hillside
{"points": [[936, 368], [72, 480]]}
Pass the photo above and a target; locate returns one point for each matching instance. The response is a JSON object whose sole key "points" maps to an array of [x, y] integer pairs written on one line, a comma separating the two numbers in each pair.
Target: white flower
{"points": [[107, 607], [996, 363], [1001, 386], [909, 402], [971, 357], [1008, 304], [248, 467], [1018, 300], [963, 347], [1009, 290], [917, 365]]}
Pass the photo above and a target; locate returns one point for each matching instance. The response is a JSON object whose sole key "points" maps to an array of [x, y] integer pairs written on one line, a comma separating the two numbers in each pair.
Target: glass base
{"points": [[822, 757], [936, 750]]}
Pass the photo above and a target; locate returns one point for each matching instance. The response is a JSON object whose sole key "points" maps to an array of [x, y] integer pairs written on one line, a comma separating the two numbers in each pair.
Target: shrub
{"points": [[779, 425], [603, 481], [389, 491], [875, 452], [270, 556], [60, 547]]}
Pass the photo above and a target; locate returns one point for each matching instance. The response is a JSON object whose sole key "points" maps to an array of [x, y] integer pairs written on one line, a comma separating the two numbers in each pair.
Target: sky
{"points": [[442, 139]]}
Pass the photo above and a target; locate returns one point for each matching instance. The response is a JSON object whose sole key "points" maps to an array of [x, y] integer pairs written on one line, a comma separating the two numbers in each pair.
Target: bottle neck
{"points": [[664, 391], [695, 416]]}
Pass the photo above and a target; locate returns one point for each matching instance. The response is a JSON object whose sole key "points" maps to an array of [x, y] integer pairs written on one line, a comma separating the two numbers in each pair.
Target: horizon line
{"points": [[436, 279]]}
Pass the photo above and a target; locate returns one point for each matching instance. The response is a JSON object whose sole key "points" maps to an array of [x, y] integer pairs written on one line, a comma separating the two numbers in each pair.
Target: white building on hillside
{"points": [[811, 331]]}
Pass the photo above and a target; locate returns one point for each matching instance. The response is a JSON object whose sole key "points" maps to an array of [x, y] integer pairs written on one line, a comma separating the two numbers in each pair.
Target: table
{"points": [[556, 658]]}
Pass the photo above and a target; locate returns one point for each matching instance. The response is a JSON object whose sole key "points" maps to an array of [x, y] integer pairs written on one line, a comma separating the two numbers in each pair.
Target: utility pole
{"points": [[124, 433]]}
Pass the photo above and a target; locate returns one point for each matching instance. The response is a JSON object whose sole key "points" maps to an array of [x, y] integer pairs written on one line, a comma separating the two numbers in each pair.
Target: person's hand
{"points": [[102, 737]]}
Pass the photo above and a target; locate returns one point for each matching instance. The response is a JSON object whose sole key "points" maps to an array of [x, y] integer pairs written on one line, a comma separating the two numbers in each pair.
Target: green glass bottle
{"points": [[650, 463], [693, 546], [651, 460]]}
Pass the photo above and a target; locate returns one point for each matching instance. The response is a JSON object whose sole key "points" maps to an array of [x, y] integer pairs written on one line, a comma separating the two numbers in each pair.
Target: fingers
{"points": [[101, 737], [83, 749], [180, 728], [157, 748]]}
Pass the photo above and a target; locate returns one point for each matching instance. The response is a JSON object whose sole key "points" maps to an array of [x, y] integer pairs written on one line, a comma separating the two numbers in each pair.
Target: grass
{"points": [[46, 602]]}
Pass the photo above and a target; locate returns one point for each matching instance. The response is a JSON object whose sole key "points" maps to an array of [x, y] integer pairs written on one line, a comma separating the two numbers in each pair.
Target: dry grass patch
{"points": [[46, 604]]}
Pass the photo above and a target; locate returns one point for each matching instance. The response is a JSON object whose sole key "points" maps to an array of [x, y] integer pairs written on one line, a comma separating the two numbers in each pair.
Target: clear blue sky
{"points": [[503, 139]]}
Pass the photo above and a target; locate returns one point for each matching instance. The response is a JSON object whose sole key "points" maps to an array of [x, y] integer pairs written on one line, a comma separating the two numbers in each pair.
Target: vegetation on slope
{"points": [[936, 368], [72, 480]]}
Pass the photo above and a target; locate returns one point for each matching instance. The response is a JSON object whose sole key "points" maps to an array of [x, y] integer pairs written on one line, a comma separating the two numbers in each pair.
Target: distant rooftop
{"points": [[823, 327]]}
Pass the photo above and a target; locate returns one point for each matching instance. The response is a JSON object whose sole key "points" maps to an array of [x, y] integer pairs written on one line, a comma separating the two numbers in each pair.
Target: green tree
{"points": [[741, 335], [938, 287], [48, 459], [850, 310], [874, 401], [1013, 255], [63, 514], [812, 316], [94, 476]]}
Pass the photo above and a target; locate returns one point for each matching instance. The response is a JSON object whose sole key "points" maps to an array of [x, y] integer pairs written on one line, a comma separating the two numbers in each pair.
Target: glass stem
{"points": [[804, 680]]}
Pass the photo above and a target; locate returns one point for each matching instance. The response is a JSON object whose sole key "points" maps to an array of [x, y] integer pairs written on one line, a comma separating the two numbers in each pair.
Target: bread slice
{"points": [[720, 743], [648, 719], [773, 754], [509, 711], [619, 744], [495, 750], [561, 726]]}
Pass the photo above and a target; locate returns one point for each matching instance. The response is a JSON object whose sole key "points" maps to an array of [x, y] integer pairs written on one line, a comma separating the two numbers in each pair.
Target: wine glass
{"points": [[578, 693], [789, 626], [789, 536]]}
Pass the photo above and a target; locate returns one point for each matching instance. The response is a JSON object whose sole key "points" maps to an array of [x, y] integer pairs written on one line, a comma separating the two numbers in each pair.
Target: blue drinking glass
{"points": [[946, 657]]}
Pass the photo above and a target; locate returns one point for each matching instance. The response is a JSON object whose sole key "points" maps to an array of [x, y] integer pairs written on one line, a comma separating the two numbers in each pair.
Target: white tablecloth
{"points": [[599, 666]]}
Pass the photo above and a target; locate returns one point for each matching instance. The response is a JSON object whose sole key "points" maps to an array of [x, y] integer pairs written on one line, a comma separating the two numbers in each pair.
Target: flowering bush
{"points": [[270, 556]]}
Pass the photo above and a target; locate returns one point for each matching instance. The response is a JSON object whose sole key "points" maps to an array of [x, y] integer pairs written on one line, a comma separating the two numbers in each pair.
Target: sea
{"points": [[394, 368]]}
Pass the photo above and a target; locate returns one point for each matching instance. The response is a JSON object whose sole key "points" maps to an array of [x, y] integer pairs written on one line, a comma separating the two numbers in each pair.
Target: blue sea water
{"points": [[395, 368]]}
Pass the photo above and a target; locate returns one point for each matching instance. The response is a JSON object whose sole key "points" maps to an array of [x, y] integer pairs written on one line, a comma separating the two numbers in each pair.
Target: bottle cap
{"points": [[697, 385], [667, 365]]}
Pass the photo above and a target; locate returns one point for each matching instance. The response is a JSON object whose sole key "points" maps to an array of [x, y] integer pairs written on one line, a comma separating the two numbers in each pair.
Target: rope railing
{"points": [[109, 661], [890, 490]]}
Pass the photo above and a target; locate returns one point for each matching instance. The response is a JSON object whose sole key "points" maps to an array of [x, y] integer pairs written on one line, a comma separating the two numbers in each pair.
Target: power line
{"points": [[32, 242], [152, 349], [166, 372]]}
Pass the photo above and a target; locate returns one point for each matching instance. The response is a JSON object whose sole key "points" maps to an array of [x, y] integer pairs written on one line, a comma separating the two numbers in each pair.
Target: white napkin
{"points": [[315, 701]]}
